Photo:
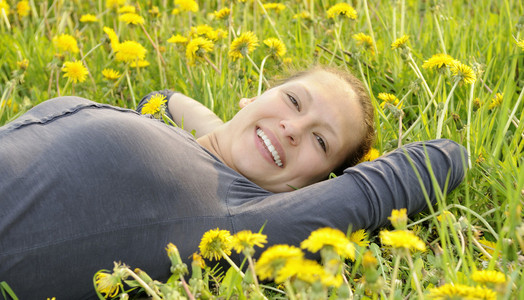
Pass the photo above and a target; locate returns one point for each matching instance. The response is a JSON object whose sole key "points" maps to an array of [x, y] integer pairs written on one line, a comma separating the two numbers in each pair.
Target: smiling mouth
{"points": [[270, 148]]}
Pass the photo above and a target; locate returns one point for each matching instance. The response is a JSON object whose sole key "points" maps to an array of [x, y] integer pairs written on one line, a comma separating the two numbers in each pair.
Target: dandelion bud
{"points": [[197, 265], [177, 266], [143, 275], [399, 218]]}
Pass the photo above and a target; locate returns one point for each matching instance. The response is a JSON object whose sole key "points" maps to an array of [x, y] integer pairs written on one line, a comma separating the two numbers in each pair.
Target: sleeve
{"points": [[364, 196], [167, 93]]}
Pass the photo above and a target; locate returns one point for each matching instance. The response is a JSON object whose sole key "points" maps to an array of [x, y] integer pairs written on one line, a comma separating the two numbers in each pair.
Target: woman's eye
{"points": [[321, 142], [294, 102]]}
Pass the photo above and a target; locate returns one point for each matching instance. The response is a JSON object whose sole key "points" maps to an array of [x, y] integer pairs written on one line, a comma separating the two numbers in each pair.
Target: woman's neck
{"points": [[210, 142]]}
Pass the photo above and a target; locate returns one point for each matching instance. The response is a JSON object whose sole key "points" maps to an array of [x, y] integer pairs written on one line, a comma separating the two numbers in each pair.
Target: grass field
{"points": [[472, 93]]}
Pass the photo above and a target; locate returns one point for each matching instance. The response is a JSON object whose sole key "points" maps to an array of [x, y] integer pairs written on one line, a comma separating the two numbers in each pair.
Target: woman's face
{"points": [[294, 134]]}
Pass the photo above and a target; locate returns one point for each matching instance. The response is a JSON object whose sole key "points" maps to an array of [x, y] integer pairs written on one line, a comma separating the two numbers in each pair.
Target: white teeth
{"points": [[270, 147]]}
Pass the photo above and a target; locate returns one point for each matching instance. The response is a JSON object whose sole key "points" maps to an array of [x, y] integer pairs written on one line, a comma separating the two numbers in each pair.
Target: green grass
{"points": [[481, 34]]}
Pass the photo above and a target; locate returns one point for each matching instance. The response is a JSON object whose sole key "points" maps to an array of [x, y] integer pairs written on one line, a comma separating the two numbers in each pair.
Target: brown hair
{"points": [[361, 92]]}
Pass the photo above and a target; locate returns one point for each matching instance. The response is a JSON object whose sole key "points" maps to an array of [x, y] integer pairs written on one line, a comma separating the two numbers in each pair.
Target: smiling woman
{"points": [[83, 184], [296, 133]]}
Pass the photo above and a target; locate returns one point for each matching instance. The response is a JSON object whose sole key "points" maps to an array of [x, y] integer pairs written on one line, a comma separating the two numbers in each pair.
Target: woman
{"points": [[84, 184]]}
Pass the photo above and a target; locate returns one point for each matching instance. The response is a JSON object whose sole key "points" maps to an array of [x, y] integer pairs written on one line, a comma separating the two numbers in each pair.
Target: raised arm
{"points": [[186, 112], [363, 197]]}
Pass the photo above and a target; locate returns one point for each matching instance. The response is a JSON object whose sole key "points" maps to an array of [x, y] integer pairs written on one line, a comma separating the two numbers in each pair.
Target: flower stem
{"points": [[444, 111], [255, 280], [468, 125], [394, 278], [425, 109], [130, 88], [289, 289], [260, 76], [441, 38], [257, 68], [232, 263], [212, 65], [143, 284], [370, 27], [186, 288], [415, 278]]}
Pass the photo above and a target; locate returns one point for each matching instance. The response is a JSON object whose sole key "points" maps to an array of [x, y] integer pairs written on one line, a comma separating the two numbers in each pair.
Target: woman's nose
{"points": [[292, 131]]}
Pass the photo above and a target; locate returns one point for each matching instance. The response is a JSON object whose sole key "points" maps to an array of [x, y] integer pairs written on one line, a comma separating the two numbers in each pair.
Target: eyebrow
{"points": [[329, 126]]}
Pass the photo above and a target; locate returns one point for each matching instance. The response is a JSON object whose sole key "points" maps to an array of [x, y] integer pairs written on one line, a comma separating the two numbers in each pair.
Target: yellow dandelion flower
{"points": [[130, 51], [154, 105], [276, 47], [305, 15], [197, 48], [299, 268], [399, 218], [461, 291], [246, 239], [88, 18], [127, 9], [330, 280], [364, 40], [332, 238], [277, 7], [359, 237], [139, 64], [154, 10], [371, 155], [113, 38], [66, 42], [23, 64], [109, 283], [287, 60], [445, 216], [175, 11], [177, 39], [369, 260], [214, 243], [402, 239], [204, 31], [223, 13], [131, 18], [111, 74], [114, 4], [438, 61], [496, 101], [488, 276], [198, 260], [388, 98], [4, 7], [520, 43], [489, 246], [463, 73], [221, 33], [187, 5], [23, 8], [342, 9], [243, 45], [274, 258], [75, 71], [400, 42]]}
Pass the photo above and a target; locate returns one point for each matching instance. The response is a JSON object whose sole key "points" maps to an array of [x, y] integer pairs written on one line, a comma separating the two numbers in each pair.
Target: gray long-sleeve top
{"points": [[84, 184]]}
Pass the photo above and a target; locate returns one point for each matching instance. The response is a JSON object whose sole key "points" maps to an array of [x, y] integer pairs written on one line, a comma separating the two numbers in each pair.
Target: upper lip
{"points": [[275, 142]]}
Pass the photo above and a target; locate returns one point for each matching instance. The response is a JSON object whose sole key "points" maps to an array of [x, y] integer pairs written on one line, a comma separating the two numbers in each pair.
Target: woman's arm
{"points": [[363, 197], [186, 112], [192, 114]]}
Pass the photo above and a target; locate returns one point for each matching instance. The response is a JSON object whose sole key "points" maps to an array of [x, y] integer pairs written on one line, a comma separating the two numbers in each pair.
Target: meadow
{"points": [[450, 69]]}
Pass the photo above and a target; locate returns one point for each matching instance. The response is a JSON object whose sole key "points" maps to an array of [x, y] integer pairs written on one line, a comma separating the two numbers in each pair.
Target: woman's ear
{"points": [[245, 101]]}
